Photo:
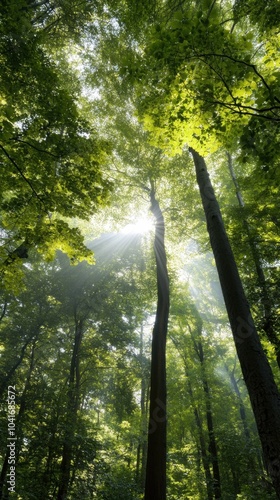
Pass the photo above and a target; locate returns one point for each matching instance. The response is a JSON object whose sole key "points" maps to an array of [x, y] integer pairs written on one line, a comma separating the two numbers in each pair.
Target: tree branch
{"points": [[241, 107], [23, 176], [239, 61], [34, 147]]}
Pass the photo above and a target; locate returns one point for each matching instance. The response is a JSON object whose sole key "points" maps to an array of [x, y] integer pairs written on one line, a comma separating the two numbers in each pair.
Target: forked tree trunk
{"points": [[155, 487], [263, 392]]}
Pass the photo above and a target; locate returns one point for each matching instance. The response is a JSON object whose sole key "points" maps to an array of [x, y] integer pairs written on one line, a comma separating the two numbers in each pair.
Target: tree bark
{"points": [[142, 446], [242, 410], [73, 400], [266, 301], [263, 392], [11, 372], [216, 481], [216, 485], [203, 448], [198, 421], [4, 493], [155, 487], [32, 339]]}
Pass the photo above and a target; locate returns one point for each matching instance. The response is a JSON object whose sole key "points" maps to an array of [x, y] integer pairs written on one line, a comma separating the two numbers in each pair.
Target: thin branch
{"points": [[240, 111], [23, 176], [35, 5], [129, 177], [210, 9], [4, 310], [224, 82], [238, 61], [34, 147]]}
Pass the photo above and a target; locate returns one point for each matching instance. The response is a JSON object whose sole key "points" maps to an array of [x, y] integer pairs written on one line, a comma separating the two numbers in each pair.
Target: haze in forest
{"points": [[139, 254]]}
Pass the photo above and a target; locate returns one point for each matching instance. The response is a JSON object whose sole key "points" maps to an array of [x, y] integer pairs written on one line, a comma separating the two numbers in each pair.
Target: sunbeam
{"points": [[141, 225]]}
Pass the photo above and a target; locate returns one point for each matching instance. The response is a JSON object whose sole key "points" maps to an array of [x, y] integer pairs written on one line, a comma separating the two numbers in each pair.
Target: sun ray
{"points": [[141, 225]]}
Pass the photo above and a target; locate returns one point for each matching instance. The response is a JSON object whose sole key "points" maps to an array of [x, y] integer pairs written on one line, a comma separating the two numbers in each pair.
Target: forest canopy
{"points": [[139, 314]]}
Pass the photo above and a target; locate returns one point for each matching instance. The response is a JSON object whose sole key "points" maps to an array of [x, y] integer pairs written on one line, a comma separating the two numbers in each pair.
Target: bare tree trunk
{"points": [[258, 377], [155, 488]]}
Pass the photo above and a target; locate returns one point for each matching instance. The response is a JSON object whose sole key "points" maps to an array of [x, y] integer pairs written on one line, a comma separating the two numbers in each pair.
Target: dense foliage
{"points": [[100, 103]]}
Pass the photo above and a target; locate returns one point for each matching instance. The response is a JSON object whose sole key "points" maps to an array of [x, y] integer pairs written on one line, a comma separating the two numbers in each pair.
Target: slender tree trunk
{"points": [[11, 372], [51, 459], [145, 439], [212, 441], [202, 443], [3, 476], [142, 446], [235, 481], [138, 461], [72, 409], [7, 378], [203, 448], [216, 483], [155, 488], [4, 310], [269, 316], [263, 392], [242, 410]]}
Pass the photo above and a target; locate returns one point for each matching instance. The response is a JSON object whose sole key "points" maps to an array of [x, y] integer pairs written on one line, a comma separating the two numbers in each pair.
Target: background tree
{"points": [[202, 73], [155, 486], [50, 153]]}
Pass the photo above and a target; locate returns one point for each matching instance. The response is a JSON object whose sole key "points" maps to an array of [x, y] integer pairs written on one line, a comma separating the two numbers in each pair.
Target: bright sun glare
{"points": [[141, 225]]}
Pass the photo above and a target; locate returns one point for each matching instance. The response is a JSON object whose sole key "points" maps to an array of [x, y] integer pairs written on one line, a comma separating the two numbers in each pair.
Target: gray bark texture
{"points": [[155, 488], [258, 377]]}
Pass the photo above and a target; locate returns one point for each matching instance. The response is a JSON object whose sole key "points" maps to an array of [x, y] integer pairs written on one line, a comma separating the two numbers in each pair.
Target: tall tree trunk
{"points": [[7, 378], [142, 446], [202, 442], [4, 310], [51, 457], [3, 476], [212, 439], [155, 487], [73, 399], [266, 301], [32, 338], [235, 480], [216, 484], [263, 392], [203, 448], [242, 410]]}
